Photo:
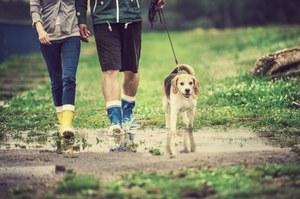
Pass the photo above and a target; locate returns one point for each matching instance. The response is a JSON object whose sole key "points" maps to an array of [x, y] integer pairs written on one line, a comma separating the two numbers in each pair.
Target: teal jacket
{"points": [[109, 11]]}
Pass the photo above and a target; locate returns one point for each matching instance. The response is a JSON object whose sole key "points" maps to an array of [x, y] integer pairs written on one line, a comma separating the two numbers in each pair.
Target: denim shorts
{"points": [[119, 45]]}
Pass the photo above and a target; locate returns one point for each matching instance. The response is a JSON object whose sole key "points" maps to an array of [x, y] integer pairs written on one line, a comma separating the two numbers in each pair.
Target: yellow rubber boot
{"points": [[59, 117], [66, 124]]}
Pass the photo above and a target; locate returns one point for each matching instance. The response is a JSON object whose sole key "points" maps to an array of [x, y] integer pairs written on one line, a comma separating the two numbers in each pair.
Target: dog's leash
{"points": [[152, 17]]}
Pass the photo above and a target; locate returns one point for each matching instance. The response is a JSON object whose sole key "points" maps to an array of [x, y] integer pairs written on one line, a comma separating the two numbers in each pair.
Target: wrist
{"points": [[82, 25], [38, 26]]}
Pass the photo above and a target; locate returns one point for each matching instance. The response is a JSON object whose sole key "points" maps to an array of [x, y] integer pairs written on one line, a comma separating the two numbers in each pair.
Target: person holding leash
{"points": [[57, 26], [117, 28]]}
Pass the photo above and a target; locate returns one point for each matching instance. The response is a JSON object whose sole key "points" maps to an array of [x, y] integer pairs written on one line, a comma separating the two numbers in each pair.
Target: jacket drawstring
{"points": [[109, 26], [126, 25]]}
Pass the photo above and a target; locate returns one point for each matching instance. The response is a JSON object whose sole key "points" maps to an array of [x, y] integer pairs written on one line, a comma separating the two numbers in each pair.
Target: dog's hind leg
{"points": [[190, 130]]}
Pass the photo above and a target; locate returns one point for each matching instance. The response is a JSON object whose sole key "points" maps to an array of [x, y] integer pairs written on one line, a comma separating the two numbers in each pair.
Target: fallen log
{"points": [[281, 63]]}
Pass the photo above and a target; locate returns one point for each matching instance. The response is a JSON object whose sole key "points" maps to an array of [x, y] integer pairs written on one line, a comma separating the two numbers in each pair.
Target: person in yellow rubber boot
{"points": [[57, 26]]}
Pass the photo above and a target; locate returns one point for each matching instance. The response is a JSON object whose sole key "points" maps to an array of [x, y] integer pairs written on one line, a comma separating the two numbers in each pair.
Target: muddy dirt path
{"points": [[34, 163]]}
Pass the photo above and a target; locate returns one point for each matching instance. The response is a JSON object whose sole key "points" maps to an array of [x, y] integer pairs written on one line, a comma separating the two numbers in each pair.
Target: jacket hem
{"points": [[114, 21]]}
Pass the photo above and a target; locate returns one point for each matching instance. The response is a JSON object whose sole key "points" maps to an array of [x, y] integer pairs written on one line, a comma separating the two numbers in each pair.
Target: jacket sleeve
{"points": [[81, 9], [35, 11]]}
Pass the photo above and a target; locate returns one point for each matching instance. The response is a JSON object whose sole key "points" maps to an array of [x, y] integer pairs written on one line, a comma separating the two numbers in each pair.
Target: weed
{"points": [[272, 180], [73, 184], [155, 151], [21, 189]]}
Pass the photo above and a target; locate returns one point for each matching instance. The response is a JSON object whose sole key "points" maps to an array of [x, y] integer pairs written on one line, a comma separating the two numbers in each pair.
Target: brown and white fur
{"points": [[180, 95]]}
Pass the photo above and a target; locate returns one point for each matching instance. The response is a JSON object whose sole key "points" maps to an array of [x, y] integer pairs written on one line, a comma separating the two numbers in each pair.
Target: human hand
{"points": [[43, 35], [84, 32], [160, 3]]}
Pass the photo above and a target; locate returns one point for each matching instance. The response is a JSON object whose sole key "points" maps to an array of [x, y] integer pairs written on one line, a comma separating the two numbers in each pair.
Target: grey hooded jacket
{"points": [[47, 11]]}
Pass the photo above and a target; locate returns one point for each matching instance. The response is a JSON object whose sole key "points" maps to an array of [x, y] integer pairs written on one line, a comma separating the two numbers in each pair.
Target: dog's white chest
{"points": [[183, 104]]}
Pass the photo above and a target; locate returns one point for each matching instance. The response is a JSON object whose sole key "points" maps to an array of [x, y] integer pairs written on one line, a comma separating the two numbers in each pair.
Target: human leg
{"points": [[111, 93], [59, 111], [131, 48], [70, 57], [52, 57], [109, 53], [110, 85], [130, 87]]}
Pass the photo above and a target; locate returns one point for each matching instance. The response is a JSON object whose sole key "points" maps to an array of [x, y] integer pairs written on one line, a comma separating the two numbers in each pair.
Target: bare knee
{"points": [[111, 73], [130, 76]]}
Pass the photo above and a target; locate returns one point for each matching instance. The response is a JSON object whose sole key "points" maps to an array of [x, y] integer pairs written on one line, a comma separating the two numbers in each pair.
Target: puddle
{"points": [[207, 140], [36, 171]]}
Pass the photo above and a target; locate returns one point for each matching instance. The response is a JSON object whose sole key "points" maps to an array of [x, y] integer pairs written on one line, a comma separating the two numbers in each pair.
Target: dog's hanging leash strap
{"points": [[163, 17], [152, 17]]}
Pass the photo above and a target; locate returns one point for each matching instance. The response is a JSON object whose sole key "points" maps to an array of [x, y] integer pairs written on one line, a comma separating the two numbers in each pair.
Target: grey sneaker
{"points": [[130, 124]]}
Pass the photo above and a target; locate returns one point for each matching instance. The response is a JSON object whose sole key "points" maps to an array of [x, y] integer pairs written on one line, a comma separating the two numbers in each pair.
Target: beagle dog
{"points": [[180, 95]]}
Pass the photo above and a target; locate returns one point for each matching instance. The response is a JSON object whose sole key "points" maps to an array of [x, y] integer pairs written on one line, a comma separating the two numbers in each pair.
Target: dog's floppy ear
{"points": [[196, 86], [174, 85]]}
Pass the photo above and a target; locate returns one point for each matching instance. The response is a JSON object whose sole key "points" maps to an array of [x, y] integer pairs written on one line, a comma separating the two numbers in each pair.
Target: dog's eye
{"points": [[181, 83], [190, 83]]}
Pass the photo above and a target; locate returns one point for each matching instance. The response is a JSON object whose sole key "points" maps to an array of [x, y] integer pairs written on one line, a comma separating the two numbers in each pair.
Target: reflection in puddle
{"points": [[88, 140], [36, 171], [30, 171]]}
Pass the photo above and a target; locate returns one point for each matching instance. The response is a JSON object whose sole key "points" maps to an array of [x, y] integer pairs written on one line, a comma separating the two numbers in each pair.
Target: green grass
{"points": [[221, 59], [262, 181], [229, 98]]}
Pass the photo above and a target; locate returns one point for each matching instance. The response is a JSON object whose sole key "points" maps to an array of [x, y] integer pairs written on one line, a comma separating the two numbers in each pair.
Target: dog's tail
{"points": [[184, 67]]}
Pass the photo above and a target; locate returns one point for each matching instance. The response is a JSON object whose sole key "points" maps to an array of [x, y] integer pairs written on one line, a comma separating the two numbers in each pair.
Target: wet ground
{"points": [[35, 161], [207, 140]]}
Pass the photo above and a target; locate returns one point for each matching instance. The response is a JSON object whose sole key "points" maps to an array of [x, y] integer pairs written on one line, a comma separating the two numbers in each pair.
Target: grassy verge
{"points": [[229, 97], [263, 181], [21, 73]]}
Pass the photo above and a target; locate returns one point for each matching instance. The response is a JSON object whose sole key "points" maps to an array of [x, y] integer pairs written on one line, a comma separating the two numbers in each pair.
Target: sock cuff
{"points": [[128, 98], [68, 107], [113, 103], [59, 109]]}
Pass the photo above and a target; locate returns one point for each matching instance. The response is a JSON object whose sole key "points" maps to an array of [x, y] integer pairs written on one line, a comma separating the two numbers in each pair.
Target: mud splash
{"points": [[143, 141]]}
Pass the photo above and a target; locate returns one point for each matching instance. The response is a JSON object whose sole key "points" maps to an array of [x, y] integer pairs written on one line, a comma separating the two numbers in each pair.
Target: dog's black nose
{"points": [[187, 90]]}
